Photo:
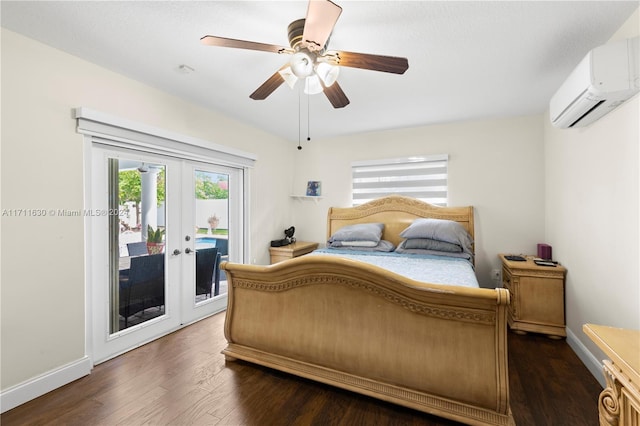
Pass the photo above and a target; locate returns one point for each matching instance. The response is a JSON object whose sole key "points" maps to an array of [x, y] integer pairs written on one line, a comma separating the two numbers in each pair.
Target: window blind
{"points": [[424, 178]]}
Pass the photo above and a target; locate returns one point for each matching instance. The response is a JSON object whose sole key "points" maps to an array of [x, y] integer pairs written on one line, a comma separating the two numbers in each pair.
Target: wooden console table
{"points": [[619, 402]]}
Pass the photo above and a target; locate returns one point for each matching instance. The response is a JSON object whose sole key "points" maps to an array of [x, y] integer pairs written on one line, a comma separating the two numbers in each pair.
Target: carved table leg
{"points": [[609, 400]]}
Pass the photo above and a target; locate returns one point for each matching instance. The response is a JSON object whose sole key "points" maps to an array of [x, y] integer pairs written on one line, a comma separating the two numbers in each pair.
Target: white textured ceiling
{"points": [[467, 60]]}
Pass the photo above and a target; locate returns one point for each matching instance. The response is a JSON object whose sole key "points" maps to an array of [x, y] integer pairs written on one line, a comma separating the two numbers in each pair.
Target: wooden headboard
{"points": [[396, 212]]}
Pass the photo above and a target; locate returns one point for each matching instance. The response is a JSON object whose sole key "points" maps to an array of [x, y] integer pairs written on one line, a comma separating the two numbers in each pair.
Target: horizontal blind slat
{"points": [[397, 173], [402, 184]]}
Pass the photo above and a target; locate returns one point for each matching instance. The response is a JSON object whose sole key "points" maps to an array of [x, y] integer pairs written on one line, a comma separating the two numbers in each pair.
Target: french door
{"points": [[160, 227], [211, 231]]}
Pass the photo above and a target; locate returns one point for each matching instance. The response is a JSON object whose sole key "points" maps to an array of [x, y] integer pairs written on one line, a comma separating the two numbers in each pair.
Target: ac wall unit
{"points": [[604, 79]]}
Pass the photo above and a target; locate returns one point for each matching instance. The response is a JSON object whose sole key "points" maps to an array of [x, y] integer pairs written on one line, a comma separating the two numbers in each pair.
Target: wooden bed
{"points": [[440, 349]]}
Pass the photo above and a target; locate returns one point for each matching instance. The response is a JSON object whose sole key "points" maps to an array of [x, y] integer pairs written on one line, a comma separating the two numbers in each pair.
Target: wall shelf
{"points": [[315, 198]]}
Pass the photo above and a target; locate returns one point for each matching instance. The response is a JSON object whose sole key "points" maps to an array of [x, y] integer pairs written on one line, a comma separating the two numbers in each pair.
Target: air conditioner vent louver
{"points": [[587, 113]]}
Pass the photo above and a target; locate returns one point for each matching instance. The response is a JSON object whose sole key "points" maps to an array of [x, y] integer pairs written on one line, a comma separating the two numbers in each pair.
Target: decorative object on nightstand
{"points": [[619, 402], [537, 296], [298, 248], [288, 238], [544, 251]]}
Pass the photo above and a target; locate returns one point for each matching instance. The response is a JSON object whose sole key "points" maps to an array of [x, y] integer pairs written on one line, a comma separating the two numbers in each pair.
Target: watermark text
{"points": [[62, 212]]}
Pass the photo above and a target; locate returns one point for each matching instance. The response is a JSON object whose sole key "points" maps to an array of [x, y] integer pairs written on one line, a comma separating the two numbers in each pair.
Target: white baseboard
{"points": [[38, 386], [587, 358]]}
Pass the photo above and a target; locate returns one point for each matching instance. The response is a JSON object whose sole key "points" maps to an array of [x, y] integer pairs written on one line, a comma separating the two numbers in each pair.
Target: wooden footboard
{"points": [[438, 349]]}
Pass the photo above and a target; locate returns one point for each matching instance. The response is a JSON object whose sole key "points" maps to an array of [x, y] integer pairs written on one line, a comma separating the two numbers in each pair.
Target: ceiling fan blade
{"points": [[322, 16], [392, 64], [335, 95], [210, 40], [268, 86]]}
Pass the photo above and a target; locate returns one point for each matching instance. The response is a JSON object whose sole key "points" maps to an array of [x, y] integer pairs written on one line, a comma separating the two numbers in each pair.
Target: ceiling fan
{"points": [[310, 60]]}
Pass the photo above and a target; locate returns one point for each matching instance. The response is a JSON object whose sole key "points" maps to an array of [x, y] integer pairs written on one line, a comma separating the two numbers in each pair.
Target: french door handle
{"points": [[188, 250], [176, 252]]}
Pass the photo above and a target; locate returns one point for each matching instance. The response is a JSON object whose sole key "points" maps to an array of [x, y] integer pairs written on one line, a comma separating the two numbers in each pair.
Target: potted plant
{"points": [[213, 222], [155, 244]]}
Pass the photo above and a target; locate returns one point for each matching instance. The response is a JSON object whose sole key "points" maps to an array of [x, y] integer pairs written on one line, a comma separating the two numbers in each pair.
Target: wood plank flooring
{"points": [[182, 379]]}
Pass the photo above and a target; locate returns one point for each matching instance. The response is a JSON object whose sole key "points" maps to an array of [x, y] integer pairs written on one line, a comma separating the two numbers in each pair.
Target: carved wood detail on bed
{"points": [[440, 349], [319, 278]]}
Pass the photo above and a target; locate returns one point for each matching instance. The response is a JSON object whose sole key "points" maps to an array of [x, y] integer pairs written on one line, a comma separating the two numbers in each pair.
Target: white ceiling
{"points": [[467, 60]]}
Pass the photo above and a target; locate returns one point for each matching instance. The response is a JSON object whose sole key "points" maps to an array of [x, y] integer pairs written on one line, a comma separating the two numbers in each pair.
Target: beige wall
{"points": [[494, 165], [43, 289], [592, 217], [528, 182]]}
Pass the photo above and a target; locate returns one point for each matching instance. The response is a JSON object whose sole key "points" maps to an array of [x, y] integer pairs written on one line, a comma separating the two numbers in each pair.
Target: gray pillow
{"points": [[353, 243], [448, 231], [429, 244], [383, 245], [463, 255], [359, 232]]}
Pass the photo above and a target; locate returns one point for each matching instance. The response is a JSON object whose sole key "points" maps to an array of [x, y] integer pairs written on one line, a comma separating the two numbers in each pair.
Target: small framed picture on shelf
{"points": [[313, 188]]}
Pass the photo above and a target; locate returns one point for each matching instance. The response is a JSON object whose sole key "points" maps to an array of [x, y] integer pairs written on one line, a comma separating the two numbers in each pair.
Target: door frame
{"points": [[114, 131]]}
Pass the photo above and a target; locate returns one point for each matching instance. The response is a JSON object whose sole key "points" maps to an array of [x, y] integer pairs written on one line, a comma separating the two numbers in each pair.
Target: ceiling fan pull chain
{"points": [[308, 117], [299, 119]]}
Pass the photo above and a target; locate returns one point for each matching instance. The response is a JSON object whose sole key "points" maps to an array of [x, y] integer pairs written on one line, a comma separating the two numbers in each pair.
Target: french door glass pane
{"points": [[137, 229], [211, 209]]}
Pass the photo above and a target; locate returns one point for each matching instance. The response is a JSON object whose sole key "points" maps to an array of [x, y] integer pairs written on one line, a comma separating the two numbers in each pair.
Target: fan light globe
{"points": [[328, 73], [312, 85], [301, 64], [288, 76]]}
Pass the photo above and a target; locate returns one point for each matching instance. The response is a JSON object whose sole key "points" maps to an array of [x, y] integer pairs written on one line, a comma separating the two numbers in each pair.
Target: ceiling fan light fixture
{"points": [[288, 76], [302, 64], [328, 73], [309, 41], [312, 85]]}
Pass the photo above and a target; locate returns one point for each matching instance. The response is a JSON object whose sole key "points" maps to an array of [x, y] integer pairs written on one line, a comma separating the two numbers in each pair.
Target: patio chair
{"points": [[216, 276], [137, 249], [222, 244], [207, 271], [144, 286]]}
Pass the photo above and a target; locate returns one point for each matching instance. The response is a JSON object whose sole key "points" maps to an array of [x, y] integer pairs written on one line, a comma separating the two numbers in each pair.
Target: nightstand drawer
{"points": [[544, 300]]}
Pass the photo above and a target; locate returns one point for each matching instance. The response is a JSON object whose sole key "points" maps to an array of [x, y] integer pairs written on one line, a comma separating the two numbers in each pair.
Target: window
{"points": [[424, 178]]}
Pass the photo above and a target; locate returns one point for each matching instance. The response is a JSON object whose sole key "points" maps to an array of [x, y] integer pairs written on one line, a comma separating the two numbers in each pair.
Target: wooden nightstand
{"points": [[299, 248], [537, 297]]}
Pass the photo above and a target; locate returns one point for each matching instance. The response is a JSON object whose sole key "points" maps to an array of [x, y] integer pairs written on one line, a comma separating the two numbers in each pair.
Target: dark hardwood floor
{"points": [[182, 379]]}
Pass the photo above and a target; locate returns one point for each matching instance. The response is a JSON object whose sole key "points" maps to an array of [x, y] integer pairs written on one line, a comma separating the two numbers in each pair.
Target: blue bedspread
{"points": [[433, 269]]}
